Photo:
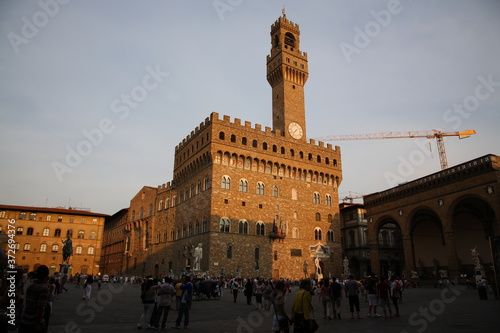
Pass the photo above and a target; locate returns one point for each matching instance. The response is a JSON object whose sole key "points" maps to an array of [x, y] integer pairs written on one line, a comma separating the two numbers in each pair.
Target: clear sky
{"points": [[95, 95]]}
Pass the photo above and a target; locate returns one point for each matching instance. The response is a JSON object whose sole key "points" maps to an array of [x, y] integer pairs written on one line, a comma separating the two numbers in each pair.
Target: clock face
{"points": [[295, 130]]}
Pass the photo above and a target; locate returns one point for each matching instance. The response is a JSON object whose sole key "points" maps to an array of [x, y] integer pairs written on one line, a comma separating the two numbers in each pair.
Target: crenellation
{"points": [[248, 124], [237, 121], [226, 119], [268, 130], [258, 127]]}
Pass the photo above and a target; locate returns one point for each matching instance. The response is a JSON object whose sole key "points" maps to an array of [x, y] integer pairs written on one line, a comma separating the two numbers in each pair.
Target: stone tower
{"points": [[287, 75]]}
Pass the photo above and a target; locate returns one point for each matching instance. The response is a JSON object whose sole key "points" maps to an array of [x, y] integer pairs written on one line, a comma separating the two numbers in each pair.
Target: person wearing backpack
{"points": [[336, 297]]}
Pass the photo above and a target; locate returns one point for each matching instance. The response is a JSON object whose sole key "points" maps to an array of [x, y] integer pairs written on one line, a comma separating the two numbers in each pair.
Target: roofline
{"points": [[51, 210]]}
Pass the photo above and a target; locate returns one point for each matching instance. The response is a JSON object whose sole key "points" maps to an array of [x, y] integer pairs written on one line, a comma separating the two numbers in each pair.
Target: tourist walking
{"points": [[383, 293], [281, 321], [165, 292], [87, 287], [186, 297], [248, 291], [302, 308], [325, 298], [352, 292], [35, 301], [148, 301], [395, 288], [336, 297], [235, 287], [371, 287]]}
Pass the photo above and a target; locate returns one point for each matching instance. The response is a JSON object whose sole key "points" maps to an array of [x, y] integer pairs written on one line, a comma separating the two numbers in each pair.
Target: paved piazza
{"points": [[117, 308]]}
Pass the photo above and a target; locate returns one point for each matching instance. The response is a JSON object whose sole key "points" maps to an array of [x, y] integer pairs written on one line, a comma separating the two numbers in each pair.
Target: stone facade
{"points": [[260, 200], [441, 218], [41, 230]]}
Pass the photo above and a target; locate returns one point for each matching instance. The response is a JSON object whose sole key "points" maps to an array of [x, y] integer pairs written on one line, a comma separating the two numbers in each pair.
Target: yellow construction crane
{"points": [[439, 135]]}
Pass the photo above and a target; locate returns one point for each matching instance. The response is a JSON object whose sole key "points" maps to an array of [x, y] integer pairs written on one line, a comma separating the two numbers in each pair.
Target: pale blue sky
{"points": [[68, 74]]}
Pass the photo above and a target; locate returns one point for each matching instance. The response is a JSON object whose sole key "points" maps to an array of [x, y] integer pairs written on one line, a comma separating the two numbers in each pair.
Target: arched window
{"points": [[55, 248], [264, 145], [90, 250], [283, 150], [316, 198], [243, 227], [233, 138], [275, 148], [221, 135], [275, 191], [160, 205], [43, 247], [318, 217], [33, 216], [260, 188], [224, 225], [81, 234], [289, 39], [254, 144], [22, 216], [330, 218], [260, 229], [317, 234], [243, 185], [79, 249], [29, 232], [19, 230], [328, 199], [244, 141], [226, 182], [295, 232], [57, 233], [92, 235], [27, 247], [329, 235]]}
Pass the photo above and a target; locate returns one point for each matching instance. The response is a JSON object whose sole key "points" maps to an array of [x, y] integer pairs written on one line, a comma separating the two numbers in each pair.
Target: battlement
{"points": [[247, 125], [301, 54], [165, 186], [286, 22]]}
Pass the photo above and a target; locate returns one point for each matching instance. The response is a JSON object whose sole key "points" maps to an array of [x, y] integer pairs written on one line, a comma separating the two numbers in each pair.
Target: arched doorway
{"points": [[390, 248], [472, 223], [429, 248]]}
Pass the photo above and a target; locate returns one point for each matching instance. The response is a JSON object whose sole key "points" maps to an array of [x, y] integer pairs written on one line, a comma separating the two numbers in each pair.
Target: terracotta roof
{"points": [[51, 210]]}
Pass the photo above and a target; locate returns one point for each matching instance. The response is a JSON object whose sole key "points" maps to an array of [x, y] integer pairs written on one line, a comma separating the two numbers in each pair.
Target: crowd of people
{"points": [[36, 293]]}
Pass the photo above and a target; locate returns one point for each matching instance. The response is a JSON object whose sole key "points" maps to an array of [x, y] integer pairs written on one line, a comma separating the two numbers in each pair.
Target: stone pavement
{"points": [[117, 308]]}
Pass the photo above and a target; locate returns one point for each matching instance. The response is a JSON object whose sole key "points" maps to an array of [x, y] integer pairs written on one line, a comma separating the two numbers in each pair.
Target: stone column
{"points": [[451, 253], [374, 256], [409, 254]]}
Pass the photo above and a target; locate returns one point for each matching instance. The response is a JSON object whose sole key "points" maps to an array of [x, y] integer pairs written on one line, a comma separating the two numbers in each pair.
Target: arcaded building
{"points": [[258, 200], [442, 222], [39, 232]]}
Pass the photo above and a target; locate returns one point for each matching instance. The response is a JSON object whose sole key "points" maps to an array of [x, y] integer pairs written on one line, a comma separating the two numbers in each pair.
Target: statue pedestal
{"points": [[64, 268], [319, 277]]}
